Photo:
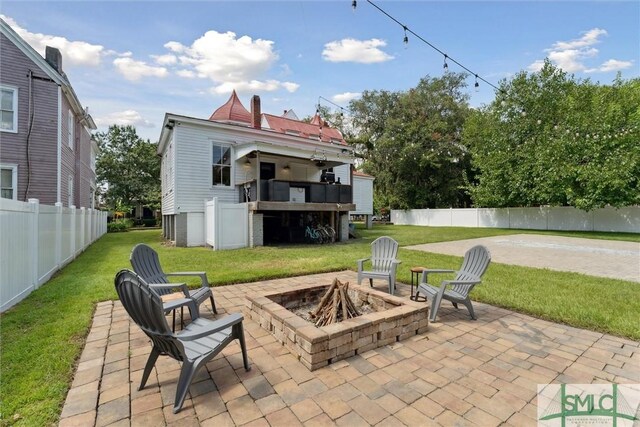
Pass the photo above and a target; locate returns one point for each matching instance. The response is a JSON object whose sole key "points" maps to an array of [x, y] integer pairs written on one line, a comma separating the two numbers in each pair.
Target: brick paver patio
{"points": [[460, 372]]}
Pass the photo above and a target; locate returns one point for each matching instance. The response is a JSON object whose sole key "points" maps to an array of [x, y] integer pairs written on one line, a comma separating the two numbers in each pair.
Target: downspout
{"points": [[59, 185]]}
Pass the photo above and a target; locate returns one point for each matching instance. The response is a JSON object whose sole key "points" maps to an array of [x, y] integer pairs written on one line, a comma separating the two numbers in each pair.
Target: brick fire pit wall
{"points": [[395, 320]]}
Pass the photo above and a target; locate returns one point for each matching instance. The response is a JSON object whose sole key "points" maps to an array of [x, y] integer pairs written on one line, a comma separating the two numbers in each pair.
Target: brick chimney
{"points": [[54, 58], [256, 117]]}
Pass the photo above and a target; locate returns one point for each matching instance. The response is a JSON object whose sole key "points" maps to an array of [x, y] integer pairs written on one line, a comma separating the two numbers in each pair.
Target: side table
{"points": [[416, 272]]}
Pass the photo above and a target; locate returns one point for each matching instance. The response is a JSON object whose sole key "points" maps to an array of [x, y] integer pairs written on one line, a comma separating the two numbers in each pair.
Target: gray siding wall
{"points": [[43, 148], [87, 176]]}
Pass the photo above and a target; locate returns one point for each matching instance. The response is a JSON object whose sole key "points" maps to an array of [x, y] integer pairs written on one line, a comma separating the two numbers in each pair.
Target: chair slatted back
{"points": [[145, 308], [475, 263], [146, 264], [383, 251]]}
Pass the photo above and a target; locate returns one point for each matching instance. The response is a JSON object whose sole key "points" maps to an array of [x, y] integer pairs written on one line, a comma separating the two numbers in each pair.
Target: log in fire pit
{"points": [[292, 316]]}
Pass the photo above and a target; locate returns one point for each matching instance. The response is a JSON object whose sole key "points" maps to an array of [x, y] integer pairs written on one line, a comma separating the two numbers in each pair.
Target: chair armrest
{"points": [[361, 263], [461, 282], [182, 286], [177, 303], [426, 271], [201, 274], [212, 327]]}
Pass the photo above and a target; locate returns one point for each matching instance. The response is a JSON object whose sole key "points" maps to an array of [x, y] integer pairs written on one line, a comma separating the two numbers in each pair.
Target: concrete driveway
{"points": [[605, 258]]}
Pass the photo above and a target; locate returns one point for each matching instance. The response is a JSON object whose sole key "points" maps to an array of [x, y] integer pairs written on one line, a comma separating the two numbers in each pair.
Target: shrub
{"points": [[149, 222], [119, 225]]}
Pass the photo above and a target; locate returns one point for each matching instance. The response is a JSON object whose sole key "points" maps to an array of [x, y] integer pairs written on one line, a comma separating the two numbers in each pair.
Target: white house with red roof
{"points": [[245, 178]]}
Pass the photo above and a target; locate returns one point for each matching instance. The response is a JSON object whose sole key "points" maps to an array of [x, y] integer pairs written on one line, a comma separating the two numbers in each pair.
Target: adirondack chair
{"points": [[146, 264], [475, 263], [194, 346], [383, 261]]}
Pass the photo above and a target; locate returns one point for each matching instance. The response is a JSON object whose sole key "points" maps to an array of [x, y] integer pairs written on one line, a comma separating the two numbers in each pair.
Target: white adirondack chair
{"points": [[475, 263], [383, 262]]}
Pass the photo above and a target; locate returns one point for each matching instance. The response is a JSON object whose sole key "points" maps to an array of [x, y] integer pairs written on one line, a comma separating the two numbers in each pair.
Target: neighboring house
{"points": [[46, 149], [363, 196], [279, 173]]}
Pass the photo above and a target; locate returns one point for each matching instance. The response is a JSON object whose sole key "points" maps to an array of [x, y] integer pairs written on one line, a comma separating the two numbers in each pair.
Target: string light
{"points": [[405, 40], [446, 57], [445, 65], [354, 5], [477, 85], [342, 109]]}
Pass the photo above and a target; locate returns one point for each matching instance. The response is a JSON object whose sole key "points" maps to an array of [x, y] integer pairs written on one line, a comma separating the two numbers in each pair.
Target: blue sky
{"points": [[130, 62]]}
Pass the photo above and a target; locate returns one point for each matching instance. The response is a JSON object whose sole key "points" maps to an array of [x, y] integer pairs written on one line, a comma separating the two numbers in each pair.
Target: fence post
{"points": [[73, 232], [58, 206], [33, 240], [82, 229]]}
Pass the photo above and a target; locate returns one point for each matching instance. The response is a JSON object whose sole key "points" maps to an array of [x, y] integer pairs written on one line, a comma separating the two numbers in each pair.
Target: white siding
{"points": [[363, 195], [344, 173], [168, 179], [193, 170]]}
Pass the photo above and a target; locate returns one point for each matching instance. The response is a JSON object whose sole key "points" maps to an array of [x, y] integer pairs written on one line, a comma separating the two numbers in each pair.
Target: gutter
{"points": [[59, 162]]}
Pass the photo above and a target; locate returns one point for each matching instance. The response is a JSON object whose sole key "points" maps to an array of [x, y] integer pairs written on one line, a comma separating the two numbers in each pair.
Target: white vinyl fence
{"points": [[226, 225], [38, 240], [625, 220]]}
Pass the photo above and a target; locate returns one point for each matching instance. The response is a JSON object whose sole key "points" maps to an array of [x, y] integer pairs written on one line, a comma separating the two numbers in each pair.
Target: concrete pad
{"points": [[603, 258]]}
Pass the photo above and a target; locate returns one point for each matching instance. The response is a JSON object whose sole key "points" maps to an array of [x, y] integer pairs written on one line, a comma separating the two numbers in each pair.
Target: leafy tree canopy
{"points": [[411, 142], [128, 168], [550, 139]]}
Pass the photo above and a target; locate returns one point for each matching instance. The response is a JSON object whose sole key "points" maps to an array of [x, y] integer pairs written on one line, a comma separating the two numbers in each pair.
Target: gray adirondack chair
{"points": [[146, 264], [194, 346], [475, 263], [383, 262]]}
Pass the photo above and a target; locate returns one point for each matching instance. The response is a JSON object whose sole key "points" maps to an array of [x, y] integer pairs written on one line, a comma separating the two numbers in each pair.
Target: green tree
{"points": [[128, 168], [550, 139], [411, 142]]}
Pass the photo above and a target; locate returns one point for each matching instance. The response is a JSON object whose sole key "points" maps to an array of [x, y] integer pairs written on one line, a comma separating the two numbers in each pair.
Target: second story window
{"points": [[70, 128], [8, 109], [221, 165]]}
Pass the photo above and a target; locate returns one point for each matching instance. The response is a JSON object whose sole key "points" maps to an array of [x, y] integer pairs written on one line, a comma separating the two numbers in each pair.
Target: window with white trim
{"points": [[9, 182], [8, 109], [221, 164], [70, 128]]}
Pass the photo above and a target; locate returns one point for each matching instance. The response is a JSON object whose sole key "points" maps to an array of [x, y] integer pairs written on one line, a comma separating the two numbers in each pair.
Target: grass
{"points": [[43, 336]]}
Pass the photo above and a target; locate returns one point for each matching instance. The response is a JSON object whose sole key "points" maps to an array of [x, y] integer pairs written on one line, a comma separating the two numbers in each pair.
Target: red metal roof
{"points": [[358, 173], [233, 111], [317, 128]]}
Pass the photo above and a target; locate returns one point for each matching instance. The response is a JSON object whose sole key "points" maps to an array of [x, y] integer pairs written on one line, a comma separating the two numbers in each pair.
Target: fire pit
{"points": [[390, 319]]}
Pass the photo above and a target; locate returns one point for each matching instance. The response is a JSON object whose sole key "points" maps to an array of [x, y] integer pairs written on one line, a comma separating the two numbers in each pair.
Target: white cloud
{"points": [[187, 74], [231, 62], [351, 50], [74, 53], [589, 38], [572, 55], [611, 65], [343, 98], [254, 86], [124, 118], [167, 59], [133, 70]]}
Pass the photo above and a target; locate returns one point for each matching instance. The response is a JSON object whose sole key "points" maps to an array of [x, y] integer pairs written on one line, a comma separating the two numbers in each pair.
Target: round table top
{"points": [[418, 269]]}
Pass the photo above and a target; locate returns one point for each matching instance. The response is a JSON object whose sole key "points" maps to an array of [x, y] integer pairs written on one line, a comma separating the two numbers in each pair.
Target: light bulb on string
{"points": [[477, 85], [445, 66], [354, 5], [405, 40]]}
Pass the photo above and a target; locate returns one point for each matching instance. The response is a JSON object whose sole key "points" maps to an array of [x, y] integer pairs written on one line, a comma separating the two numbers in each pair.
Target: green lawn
{"points": [[43, 336]]}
